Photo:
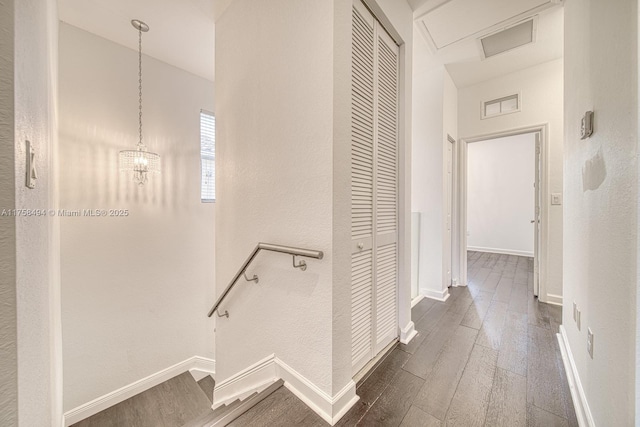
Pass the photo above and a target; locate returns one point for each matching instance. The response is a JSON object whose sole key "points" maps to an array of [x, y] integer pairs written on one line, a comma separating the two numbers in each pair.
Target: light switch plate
{"points": [[575, 311], [32, 175], [578, 319], [590, 342], [556, 198], [586, 126]]}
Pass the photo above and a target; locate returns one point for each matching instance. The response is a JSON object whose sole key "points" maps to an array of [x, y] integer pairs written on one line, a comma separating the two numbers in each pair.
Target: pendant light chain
{"points": [[140, 162], [140, 85]]}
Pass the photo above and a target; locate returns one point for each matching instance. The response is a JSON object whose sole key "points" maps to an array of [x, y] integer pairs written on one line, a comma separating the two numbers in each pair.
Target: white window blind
{"points": [[208, 156]]}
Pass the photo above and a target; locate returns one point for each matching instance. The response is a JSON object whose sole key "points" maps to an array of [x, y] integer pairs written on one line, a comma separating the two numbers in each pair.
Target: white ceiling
{"points": [[450, 30], [456, 20], [181, 31]]}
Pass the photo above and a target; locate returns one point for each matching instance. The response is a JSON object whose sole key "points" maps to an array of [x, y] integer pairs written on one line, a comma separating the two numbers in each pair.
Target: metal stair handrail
{"points": [[264, 247]]}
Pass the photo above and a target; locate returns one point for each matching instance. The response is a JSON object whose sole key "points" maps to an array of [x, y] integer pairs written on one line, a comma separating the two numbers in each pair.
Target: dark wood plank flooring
{"points": [[488, 356]]}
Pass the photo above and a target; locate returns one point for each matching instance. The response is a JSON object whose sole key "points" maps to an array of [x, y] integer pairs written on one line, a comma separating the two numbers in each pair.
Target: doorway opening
{"points": [[502, 179]]}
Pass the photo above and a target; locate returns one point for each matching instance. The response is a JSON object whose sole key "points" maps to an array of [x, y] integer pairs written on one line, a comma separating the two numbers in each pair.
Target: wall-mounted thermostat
{"points": [[586, 129]]}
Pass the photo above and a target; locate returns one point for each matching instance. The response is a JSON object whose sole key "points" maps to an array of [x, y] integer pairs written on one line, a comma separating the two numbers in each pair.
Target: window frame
{"points": [[207, 156]]}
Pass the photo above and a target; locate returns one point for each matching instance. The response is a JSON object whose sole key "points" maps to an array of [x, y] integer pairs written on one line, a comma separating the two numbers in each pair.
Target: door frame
{"points": [[450, 246], [461, 214]]}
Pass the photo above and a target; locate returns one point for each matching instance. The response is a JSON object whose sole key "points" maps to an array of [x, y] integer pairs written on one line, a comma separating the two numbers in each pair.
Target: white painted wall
{"points": [[29, 387], [274, 177], [135, 289], [601, 202], [8, 310], [541, 88], [434, 117], [29, 79], [500, 195], [283, 122]]}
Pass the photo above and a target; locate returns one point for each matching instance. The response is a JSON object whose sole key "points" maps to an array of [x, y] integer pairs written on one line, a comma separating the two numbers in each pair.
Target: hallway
{"points": [[487, 356]]}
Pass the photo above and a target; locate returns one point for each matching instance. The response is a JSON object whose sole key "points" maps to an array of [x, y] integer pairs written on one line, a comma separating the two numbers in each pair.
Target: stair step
{"points": [[170, 403], [224, 415], [221, 410], [207, 384]]}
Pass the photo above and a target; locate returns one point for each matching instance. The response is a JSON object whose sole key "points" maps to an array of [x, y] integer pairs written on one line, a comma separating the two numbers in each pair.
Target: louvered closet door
{"points": [[362, 157], [386, 191], [373, 187]]}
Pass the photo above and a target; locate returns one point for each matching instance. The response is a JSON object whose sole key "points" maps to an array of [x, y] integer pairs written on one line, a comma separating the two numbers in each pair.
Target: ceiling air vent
{"points": [[510, 38]]}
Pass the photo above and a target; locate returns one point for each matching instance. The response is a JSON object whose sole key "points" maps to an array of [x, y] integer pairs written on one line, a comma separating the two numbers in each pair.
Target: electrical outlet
{"points": [[575, 311], [590, 342], [578, 318]]}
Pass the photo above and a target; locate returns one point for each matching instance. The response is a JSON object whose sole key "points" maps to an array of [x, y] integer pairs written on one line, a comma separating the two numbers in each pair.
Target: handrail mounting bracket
{"points": [[302, 265], [253, 279]]}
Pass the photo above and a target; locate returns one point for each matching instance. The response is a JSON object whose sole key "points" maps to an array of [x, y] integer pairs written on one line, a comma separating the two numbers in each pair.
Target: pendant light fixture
{"points": [[139, 161]]}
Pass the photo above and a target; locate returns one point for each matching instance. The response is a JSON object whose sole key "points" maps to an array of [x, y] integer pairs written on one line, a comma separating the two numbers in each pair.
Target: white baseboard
{"points": [[255, 378], [263, 373], [103, 402], [500, 251], [407, 333], [583, 412], [442, 295], [416, 300], [330, 408], [202, 368], [553, 299]]}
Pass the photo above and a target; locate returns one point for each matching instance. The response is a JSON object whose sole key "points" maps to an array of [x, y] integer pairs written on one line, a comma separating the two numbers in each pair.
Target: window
{"points": [[496, 107], [208, 157]]}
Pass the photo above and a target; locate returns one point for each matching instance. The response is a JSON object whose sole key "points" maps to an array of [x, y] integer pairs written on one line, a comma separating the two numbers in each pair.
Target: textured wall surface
{"points": [[427, 170], [435, 115], [135, 289], [274, 99], [541, 93], [601, 201], [34, 249], [8, 320]]}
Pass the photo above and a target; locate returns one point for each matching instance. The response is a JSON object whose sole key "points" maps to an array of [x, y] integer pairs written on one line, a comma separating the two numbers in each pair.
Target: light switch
{"points": [[32, 175], [556, 198], [586, 125]]}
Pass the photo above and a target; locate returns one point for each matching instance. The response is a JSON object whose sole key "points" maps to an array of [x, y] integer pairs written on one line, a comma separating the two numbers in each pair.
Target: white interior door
{"points": [[536, 217], [374, 176]]}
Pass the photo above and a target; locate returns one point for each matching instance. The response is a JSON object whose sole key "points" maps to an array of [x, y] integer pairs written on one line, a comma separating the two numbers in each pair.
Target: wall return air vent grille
{"points": [[500, 106], [508, 39]]}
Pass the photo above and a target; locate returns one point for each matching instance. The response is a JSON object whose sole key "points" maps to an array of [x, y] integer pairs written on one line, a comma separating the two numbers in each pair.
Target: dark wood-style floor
{"points": [[488, 356]]}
